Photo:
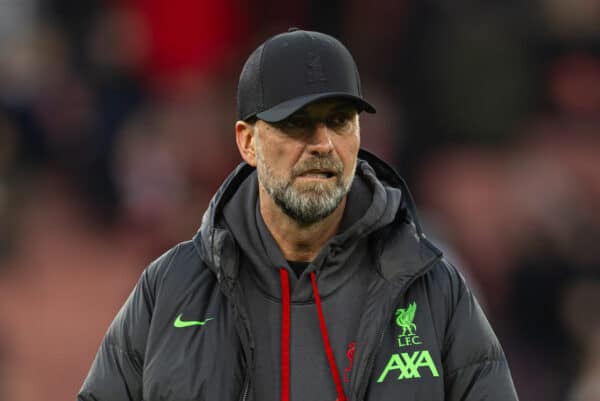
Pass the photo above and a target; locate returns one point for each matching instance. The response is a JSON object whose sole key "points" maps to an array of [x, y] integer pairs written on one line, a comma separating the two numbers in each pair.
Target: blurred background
{"points": [[116, 127]]}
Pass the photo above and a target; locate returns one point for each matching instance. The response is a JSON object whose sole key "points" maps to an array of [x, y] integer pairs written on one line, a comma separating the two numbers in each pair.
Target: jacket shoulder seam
{"points": [[175, 251], [441, 268], [164, 267], [484, 362], [119, 348], [131, 355]]}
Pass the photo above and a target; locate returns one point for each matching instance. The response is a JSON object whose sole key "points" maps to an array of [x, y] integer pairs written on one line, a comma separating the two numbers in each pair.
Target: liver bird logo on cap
{"points": [[315, 72]]}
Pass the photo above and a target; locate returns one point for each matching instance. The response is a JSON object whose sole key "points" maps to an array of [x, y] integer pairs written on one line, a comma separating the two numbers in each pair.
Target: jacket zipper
{"points": [[244, 396], [374, 353], [371, 362], [246, 388], [245, 336]]}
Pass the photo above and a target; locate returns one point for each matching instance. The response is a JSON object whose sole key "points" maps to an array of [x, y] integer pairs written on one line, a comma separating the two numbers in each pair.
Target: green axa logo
{"points": [[409, 366], [405, 317]]}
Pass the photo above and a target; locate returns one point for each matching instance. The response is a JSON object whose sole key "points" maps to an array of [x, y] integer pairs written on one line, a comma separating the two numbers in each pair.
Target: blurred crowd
{"points": [[116, 127]]}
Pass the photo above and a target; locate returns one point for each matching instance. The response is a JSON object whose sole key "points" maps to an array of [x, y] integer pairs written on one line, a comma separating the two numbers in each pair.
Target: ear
{"points": [[244, 137]]}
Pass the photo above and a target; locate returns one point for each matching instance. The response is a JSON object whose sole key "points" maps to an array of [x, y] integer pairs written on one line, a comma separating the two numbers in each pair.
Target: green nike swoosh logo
{"points": [[187, 323]]}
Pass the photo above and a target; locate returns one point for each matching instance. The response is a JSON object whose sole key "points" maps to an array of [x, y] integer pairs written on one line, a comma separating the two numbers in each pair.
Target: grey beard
{"points": [[310, 206]]}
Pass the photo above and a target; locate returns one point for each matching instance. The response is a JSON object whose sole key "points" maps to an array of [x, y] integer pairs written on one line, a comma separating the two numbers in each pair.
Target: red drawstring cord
{"points": [[328, 350], [285, 336]]}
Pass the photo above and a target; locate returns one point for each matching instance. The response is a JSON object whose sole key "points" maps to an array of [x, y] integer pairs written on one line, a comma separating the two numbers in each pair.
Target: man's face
{"points": [[306, 163]]}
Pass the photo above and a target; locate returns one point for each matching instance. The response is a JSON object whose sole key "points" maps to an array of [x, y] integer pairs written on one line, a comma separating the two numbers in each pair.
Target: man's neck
{"points": [[300, 243]]}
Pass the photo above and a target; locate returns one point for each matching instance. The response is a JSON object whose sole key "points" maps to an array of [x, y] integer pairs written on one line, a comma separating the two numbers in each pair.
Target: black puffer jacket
{"points": [[185, 333]]}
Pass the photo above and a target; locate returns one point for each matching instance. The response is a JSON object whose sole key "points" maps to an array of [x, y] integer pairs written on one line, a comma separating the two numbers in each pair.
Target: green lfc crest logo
{"points": [[404, 319]]}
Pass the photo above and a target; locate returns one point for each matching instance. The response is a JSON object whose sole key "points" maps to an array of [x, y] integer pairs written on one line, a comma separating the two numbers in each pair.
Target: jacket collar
{"points": [[402, 248]]}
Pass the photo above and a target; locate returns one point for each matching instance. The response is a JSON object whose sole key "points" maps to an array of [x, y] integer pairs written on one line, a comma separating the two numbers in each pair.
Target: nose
{"points": [[320, 140]]}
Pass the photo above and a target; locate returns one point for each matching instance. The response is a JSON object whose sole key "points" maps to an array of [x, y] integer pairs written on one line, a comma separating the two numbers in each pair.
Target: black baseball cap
{"points": [[295, 68]]}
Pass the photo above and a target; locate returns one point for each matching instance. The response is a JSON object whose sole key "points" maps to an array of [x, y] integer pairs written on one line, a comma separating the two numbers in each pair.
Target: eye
{"points": [[299, 122], [339, 120], [295, 122]]}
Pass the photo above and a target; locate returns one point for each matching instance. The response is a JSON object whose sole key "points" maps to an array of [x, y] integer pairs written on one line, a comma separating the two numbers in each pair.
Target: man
{"points": [[310, 278]]}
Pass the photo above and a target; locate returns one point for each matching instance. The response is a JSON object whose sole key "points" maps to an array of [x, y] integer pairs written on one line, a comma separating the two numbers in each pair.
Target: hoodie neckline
{"points": [[218, 249], [370, 206]]}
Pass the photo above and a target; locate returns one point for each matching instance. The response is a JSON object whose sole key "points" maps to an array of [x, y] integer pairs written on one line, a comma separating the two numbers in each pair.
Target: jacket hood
{"points": [[382, 208]]}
